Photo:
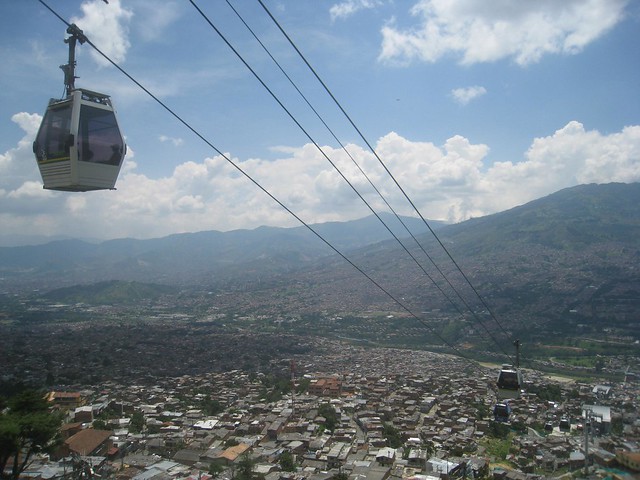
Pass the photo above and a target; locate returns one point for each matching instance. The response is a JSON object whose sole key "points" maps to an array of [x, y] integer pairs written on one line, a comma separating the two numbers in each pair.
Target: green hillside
{"points": [[110, 293]]}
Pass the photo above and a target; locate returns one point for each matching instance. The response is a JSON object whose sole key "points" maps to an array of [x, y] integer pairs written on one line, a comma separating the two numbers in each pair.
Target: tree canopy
{"points": [[137, 422], [27, 427], [327, 411], [392, 435], [286, 462]]}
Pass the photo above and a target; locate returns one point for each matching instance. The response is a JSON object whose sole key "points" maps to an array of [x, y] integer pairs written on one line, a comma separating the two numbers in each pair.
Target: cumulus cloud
{"points": [[18, 164], [570, 156], [347, 8], [453, 181], [464, 95], [488, 31], [106, 25]]}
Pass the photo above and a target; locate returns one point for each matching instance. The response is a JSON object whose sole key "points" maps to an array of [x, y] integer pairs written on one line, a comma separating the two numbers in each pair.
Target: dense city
{"points": [[335, 410]]}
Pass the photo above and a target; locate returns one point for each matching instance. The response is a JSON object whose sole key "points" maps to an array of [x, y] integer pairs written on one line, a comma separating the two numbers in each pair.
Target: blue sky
{"points": [[475, 107]]}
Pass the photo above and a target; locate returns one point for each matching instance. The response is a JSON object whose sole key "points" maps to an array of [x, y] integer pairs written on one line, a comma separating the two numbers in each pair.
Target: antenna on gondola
{"points": [[79, 146]]}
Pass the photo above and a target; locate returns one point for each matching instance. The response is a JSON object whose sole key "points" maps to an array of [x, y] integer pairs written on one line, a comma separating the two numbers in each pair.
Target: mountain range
{"points": [[209, 257], [563, 261]]}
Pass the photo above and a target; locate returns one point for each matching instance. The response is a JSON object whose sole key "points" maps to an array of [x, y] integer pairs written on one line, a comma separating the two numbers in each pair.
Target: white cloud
{"points": [[29, 190], [18, 164], [453, 181], [29, 122], [571, 156], [106, 26], [522, 30], [176, 142], [588, 156], [154, 17], [464, 95], [347, 8]]}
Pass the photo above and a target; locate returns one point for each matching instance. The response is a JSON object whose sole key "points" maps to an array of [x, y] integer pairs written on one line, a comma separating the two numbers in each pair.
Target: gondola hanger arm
{"points": [[76, 35]]}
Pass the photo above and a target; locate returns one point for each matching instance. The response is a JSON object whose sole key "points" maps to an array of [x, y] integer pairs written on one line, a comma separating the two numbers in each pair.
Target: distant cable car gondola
{"points": [[510, 381], [502, 412], [565, 424], [79, 146]]}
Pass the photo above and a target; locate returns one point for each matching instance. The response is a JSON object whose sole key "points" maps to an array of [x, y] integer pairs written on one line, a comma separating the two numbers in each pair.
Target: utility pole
{"points": [[587, 427], [292, 366]]}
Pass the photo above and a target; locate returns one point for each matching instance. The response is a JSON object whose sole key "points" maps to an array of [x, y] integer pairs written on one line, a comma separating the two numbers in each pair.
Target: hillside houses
{"points": [[412, 418]]}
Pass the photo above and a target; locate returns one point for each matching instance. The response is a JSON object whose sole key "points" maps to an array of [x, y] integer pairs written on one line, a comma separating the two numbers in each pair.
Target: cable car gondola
{"points": [[510, 381], [79, 146], [502, 412]]}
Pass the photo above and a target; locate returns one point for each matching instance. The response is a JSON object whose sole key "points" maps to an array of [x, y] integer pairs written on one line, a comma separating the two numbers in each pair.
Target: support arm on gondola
{"points": [[70, 68], [517, 344]]}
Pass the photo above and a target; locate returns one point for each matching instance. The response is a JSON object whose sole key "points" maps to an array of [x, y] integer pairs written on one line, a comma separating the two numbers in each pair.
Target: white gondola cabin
{"points": [[79, 146]]}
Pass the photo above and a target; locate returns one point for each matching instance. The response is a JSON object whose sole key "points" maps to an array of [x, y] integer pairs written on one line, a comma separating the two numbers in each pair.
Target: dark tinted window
{"points": [[52, 141], [508, 380], [99, 137]]}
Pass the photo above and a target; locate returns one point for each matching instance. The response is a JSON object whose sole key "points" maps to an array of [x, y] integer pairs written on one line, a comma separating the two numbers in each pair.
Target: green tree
{"points": [[211, 407], [215, 469], [27, 427], [329, 413], [245, 468], [137, 422], [286, 462], [482, 411], [499, 430], [430, 447], [392, 435], [617, 426], [274, 388], [303, 385], [99, 424], [546, 392]]}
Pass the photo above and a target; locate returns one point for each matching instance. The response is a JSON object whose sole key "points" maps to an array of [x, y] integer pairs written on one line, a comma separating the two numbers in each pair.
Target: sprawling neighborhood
{"points": [[353, 412]]}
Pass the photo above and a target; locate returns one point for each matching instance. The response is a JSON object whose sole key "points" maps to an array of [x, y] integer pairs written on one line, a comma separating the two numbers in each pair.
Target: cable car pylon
{"points": [[79, 146]]}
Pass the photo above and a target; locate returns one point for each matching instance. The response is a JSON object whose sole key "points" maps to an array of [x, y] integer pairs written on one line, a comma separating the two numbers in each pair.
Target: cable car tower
{"points": [[79, 146]]}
